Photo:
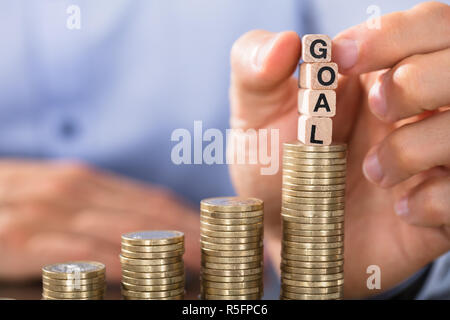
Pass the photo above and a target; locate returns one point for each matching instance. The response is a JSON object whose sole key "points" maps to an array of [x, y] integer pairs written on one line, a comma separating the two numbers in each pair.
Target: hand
{"points": [[56, 212], [399, 217]]}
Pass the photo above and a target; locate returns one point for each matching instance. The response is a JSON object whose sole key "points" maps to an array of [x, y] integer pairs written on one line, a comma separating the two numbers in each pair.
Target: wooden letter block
{"points": [[317, 103], [316, 48], [318, 75], [315, 130]]}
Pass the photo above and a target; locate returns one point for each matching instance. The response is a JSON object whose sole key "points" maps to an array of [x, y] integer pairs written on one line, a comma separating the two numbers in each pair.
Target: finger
{"points": [[261, 84], [424, 28], [417, 84], [428, 204], [409, 150], [348, 97]]}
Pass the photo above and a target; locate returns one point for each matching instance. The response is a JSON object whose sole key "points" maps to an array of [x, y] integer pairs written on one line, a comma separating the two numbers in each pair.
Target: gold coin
{"points": [[232, 228], [231, 247], [152, 281], [72, 295], [74, 270], [303, 187], [231, 292], [228, 260], [313, 233], [153, 248], [294, 247], [300, 296], [232, 215], [315, 155], [288, 277], [239, 253], [307, 226], [149, 262], [153, 237], [152, 255], [289, 237], [314, 162], [232, 285], [311, 258], [76, 288], [231, 240], [307, 220], [232, 222], [298, 146], [311, 221], [305, 264], [153, 275], [252, 277], [292, 271], [152, 288], [231, 234], [73, 282], [314, 284], [301, 200], [329, 227], [310, 168], [167, 267], [231, 204], [308, 290], [313, 194], [179, 297], [311, 181], [312, 207], [232, 273], [314, 175], [256, 296], [236, 266], [318, 252], [312, 214], [254, 239], [153, 294], [44, 297]]}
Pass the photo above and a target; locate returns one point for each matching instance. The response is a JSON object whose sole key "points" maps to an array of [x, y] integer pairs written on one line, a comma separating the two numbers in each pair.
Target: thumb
{"points": [[262, 86]]}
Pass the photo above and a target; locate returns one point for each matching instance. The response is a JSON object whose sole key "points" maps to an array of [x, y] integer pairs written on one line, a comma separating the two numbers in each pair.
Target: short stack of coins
{"points": [[313, 198], [152, 265], [78, 280], [232, 248]]}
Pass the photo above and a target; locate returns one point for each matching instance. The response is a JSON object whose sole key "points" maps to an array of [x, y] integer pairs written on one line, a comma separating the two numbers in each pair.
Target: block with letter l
{"points": [[315, 130]]}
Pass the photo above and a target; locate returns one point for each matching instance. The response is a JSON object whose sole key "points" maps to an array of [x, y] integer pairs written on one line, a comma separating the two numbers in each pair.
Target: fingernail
{"points": [[345, 53], [401, 207], [377, 99], [372, 168], [263, 51]]}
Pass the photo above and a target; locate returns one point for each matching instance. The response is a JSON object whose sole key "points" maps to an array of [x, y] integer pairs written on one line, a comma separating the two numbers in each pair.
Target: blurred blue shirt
{"points": [[112, 92]]}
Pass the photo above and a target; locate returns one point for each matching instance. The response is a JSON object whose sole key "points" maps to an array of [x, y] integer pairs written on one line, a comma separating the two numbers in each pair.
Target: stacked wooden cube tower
{"points": [[316, 96]]}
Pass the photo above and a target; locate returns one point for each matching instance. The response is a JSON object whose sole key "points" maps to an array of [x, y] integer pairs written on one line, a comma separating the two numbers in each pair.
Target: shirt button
{"points": [[68, 129]]}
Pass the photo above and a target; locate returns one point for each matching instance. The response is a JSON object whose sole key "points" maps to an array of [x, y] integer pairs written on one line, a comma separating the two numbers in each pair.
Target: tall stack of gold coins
{"points": [[313, 198], [232, 248], [78, 280], [152, 265]]}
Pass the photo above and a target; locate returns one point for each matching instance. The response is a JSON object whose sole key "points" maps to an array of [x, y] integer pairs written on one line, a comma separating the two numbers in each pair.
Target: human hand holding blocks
{"points": [[316, 96]]}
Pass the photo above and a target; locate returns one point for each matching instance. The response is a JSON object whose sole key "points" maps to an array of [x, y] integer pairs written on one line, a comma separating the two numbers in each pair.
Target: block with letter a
{"points": [[318, 103]]}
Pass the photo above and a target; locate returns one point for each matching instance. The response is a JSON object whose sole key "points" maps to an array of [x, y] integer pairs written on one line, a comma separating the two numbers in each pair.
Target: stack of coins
{"points": [[232, 248], [79, 280], [152, 265], [313, 197]]}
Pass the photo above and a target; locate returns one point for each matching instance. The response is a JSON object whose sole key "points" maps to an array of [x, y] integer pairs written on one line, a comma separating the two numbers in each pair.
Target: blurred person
{"points": [[87, 117]]}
